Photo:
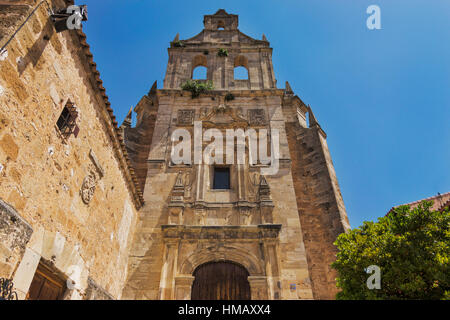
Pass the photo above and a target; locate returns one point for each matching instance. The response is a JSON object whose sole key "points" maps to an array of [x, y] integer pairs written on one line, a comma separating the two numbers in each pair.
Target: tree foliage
{"points": [[412, 249]]}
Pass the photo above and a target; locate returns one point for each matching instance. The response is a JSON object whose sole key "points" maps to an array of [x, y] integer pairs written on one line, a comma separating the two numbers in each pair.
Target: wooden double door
{"points": [[46, 285], [220, 281]]}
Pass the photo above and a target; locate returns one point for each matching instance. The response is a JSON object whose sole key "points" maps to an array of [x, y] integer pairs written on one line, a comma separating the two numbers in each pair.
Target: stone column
{"points": [[272, 269], [183, 287], [167, 282], [258, 287]]}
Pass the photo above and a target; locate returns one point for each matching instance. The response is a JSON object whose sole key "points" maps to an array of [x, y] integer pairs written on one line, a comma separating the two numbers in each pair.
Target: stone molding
{"points": [[262, 231], [96, 292]]}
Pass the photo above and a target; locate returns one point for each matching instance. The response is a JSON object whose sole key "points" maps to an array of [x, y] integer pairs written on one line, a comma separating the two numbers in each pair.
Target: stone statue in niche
{"points": [[187, 185], [229, 218], [246, 217], [179, 180], [200, 217], [88, 187], [175, 216]]}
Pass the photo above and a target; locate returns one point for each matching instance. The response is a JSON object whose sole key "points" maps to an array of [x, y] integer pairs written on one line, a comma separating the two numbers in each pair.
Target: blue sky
{"points": [[382, 96]]}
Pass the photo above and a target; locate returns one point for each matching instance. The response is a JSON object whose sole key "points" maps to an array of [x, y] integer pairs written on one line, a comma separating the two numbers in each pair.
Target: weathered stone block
{"points": [[15, 233]]}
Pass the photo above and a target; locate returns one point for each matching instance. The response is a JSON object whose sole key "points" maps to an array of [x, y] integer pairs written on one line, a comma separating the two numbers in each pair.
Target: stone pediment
{"points": [[195, 39], [243, 38], [213, 36], [223, 117]]}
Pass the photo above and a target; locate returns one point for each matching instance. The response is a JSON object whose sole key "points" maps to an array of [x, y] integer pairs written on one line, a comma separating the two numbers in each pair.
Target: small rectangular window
{"points": [[221, 178], [67, 121]]}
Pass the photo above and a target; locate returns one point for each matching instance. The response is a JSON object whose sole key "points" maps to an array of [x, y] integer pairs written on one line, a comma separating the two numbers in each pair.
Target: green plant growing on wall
{"points": [[229, 96], [222, 52], [178, 44], [196, 87]]}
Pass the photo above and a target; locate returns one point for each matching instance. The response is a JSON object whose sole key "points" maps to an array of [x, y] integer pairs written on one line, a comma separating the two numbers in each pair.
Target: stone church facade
{"points": [[91, 210], [279, 228]]}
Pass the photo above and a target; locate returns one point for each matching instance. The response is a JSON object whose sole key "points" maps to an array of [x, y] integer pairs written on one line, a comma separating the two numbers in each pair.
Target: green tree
{"points": [[410, 246]]}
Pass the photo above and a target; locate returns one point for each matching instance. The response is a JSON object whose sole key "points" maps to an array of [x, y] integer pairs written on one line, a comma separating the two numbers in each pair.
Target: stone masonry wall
{"points": [[320, 206], [14, 236], [41, 174]]}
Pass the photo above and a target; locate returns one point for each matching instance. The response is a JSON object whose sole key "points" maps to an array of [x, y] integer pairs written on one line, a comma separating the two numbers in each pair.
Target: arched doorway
{"points": [[220, 281]]}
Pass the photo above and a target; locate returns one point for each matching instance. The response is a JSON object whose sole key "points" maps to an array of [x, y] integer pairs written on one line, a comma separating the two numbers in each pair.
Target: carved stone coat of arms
{"points": [[88, 188]]}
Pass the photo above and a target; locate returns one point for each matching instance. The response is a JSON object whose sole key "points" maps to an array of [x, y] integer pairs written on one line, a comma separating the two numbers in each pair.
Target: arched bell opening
{"points": [[199, 68]]}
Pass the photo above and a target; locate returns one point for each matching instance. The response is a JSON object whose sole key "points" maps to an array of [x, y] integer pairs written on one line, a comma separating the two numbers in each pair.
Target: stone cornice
{"points": [[224, 92], [261, 231]]}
